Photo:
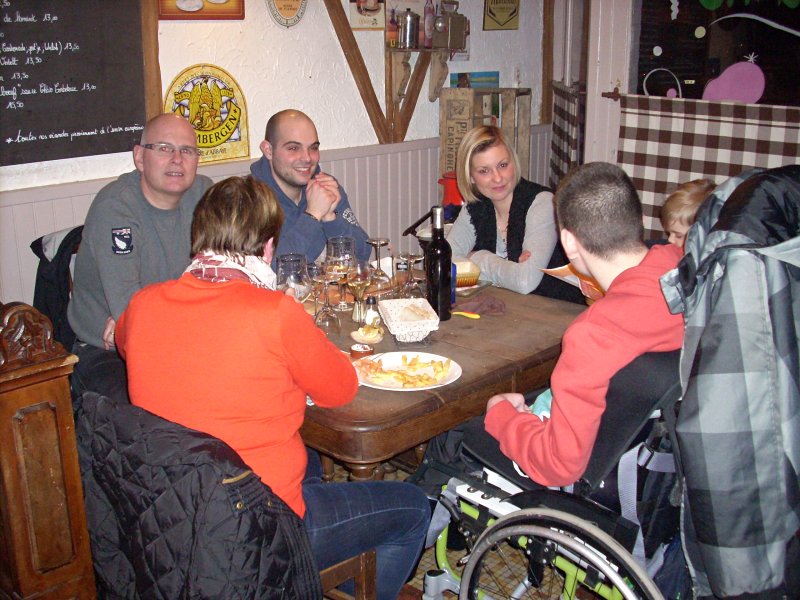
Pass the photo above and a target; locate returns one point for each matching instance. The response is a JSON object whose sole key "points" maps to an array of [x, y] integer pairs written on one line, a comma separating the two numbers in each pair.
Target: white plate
{"points": [[393, 361], [189, 5]]}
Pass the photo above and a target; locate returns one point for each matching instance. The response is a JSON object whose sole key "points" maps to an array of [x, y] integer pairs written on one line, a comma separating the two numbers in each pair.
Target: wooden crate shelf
{"points": [[461, 109]]}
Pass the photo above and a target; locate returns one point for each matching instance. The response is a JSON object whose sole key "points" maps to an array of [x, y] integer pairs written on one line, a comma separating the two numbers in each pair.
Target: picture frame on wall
{"points": [[500, 15], [200, 9], [367, 14]]}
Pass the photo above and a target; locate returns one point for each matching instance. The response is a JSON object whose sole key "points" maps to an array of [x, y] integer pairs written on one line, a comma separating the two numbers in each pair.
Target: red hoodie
{"points": [[630, 320]]}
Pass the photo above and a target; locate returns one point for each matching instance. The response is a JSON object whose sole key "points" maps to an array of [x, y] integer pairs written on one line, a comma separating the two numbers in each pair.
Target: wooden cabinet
{"points": [[44, 543]]}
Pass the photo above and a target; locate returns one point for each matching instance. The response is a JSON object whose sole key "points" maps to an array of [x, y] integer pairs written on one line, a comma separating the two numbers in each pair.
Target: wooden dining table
{"points": [[515, 351]]}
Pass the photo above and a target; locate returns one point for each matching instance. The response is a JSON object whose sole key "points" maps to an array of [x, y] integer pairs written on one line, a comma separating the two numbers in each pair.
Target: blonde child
{"points": [[680, 208]]}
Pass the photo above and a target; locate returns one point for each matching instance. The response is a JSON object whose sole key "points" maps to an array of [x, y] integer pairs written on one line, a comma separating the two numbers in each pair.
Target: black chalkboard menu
{"points": [[72, 79]]}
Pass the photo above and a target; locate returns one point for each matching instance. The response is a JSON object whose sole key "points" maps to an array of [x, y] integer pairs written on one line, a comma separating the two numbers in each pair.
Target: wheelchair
{"points": [[524, 541]]}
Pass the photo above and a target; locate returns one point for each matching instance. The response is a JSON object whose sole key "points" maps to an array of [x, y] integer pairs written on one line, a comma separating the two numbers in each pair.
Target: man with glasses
{"points": [[137, 232]]}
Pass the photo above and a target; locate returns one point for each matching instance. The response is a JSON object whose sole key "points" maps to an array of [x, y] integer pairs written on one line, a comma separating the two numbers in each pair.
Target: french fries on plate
{"points": [[411, 373]]}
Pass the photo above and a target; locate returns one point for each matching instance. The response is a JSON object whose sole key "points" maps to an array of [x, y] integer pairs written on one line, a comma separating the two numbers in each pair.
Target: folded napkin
{"points": [[541, 406], [482, 304]]}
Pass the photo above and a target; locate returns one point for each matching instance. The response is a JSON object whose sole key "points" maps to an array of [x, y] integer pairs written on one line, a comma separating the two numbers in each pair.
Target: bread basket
{"points": [[394, 314], [467, 273]]}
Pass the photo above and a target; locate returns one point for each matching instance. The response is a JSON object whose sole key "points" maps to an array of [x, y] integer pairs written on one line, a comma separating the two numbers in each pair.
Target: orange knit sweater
{"points": [[234, 361]]}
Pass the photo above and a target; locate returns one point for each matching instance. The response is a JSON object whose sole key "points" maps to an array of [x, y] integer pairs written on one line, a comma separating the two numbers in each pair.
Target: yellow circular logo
{"points": [[211, 100]]}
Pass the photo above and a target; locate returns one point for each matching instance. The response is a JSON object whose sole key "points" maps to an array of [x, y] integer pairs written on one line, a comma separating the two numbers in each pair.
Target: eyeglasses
{"points": [[169, 149]]}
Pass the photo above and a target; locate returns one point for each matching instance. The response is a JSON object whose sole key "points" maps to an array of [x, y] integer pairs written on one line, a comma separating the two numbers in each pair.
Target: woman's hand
{"points": [[524, 255]]}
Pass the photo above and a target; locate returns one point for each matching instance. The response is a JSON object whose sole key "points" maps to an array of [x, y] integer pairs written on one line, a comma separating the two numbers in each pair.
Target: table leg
{"points": [[370, 472]]}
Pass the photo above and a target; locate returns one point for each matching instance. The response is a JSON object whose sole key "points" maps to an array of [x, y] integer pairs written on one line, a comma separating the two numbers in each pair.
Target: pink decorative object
{"points": [[741, 82]]}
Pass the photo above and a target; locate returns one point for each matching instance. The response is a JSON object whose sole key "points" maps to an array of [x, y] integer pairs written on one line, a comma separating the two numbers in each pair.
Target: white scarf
{"points": [[209, 266]]}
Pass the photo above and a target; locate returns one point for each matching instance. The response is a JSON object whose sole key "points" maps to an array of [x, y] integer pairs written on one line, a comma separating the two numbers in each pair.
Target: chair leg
{"points": [[327, 468], [359, 568]]}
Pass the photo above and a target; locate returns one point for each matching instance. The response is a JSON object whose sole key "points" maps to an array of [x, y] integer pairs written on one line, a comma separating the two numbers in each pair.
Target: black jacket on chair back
{"points": [[174, 513], [52, 291]]}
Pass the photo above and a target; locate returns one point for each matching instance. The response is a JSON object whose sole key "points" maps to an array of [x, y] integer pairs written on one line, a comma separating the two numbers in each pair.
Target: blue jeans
{"points": [[99, 370], [346, 519]]}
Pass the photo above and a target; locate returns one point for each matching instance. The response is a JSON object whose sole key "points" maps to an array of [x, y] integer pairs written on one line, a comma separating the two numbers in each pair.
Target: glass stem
{"points": [[327, 303]]}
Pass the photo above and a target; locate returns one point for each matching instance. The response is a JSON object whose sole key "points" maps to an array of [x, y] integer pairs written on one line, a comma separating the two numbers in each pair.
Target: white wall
{"points": [[304, 67]]}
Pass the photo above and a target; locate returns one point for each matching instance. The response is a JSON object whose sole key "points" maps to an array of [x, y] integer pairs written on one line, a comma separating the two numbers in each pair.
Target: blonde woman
{"points": [[507, 226]]}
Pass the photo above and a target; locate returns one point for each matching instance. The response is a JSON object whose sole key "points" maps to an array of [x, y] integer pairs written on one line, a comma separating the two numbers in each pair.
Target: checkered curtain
{"points": [[664, 142], [566, 147]]}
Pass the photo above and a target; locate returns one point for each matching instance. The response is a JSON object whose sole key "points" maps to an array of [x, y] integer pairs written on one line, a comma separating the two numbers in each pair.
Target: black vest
{"points": [[484, 221]]}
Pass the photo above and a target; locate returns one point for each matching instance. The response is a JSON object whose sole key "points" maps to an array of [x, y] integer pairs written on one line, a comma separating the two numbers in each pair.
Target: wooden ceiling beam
{"points": [[412, 95], [359, 70]]}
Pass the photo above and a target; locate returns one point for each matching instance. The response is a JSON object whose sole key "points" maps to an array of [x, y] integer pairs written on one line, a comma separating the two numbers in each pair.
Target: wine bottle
{"points": [[392, 31], [438, 261], [429, 16]]}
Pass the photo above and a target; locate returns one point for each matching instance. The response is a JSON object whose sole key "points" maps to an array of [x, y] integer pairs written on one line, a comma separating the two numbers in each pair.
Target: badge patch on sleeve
{"points": [[349, 216], [121, 240]]}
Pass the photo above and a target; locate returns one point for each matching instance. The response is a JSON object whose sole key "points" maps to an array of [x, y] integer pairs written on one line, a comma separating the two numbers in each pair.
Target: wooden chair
{"points": [[361, 568], [44, 543]]}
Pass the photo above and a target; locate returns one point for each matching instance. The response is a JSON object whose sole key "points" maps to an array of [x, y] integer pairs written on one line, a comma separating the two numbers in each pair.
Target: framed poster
{"points": [[500, 15], [367, 14], [200, 9]]}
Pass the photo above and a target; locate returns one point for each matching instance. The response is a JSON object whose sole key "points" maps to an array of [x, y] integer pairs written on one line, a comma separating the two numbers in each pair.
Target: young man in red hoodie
{"points": [[600, 218]]}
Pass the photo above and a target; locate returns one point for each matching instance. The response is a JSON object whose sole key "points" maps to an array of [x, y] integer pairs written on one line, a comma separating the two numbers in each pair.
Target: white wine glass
{"points": [[293, 274], [340, 255], [359, 279], [381, 282], [316, 271]]}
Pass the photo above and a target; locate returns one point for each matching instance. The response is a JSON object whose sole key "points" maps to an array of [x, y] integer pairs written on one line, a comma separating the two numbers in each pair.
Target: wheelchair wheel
{"points": [[543, 553]]}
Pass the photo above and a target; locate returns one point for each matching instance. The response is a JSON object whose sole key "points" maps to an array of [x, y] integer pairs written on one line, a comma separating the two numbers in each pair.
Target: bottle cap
{"points": [[371, 301], [437, 217]]}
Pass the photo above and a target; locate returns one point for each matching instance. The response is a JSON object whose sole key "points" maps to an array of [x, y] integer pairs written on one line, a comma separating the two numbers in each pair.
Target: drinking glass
{"points": [[316, 271], [411, 287], [340, 254], [293, 274], [326, 318], [381, 282], [358, 279]]}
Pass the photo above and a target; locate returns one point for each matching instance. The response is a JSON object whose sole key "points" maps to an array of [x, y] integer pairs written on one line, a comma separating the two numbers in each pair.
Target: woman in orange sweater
{"points": [[221, 352]]}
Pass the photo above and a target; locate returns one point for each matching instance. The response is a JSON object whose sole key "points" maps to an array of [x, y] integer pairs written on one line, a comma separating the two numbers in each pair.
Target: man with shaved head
{"points": [[137, 232], [314, 204]]}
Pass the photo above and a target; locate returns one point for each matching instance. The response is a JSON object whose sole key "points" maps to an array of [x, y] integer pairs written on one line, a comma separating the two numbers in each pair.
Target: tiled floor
{"points": [[413, 590]]}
